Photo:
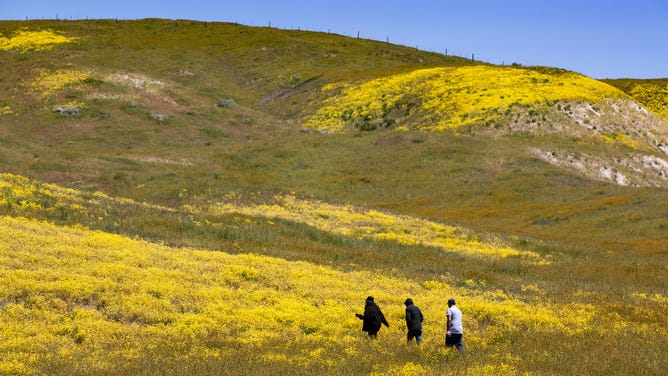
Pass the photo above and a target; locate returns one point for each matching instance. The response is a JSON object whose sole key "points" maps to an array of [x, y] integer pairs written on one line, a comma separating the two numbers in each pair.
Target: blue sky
{"points": [[602, 39]]}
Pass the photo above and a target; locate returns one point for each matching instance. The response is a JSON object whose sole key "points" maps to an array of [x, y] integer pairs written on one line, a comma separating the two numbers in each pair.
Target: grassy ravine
{"points": [[227, 240]]}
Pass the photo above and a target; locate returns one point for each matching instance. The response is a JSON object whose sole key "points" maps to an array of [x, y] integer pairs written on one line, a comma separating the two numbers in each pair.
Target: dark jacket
{"points": [[372, 318], [413, 317]]}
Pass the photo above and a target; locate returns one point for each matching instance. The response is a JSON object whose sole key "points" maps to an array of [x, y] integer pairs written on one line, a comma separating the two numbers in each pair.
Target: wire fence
{"points": [[180, 22]]}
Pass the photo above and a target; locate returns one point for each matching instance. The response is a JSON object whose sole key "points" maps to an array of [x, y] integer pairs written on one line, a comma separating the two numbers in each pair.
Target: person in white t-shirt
{"points": [[455, 329]]}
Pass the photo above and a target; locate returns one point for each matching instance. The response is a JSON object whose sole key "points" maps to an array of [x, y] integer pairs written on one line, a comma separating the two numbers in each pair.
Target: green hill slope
{"points": [[246, 162]]}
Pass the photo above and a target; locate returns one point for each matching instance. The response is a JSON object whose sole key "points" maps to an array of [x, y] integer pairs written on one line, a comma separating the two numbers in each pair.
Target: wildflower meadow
{"points": [[83, 301], [225, 197]]}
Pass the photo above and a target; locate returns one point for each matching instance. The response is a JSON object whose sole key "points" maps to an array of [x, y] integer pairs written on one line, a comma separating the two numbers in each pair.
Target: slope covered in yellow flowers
{"points": [[652, 93], [25, 40], [83, 301], [370, 224], [451, 97], [95, 303]]}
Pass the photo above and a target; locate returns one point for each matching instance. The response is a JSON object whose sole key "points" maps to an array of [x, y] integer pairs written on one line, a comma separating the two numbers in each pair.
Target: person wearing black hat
{"points": [[414, 320], [372, 318], [455, 329]]}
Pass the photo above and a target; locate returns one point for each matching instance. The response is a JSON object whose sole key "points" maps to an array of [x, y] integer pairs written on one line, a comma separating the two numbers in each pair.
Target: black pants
{"points": [[415, 333], [455, 340]]}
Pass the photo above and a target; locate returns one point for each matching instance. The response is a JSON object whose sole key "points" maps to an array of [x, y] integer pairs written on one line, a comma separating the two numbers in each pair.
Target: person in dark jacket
{"points": [[372, 318], [414, 320]]}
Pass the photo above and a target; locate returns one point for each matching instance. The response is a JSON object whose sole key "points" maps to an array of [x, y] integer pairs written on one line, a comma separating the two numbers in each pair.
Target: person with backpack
{"points": [[414, 320], [372, 318]]}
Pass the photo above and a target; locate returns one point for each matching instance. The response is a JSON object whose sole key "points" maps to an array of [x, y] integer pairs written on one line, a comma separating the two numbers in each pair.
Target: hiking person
{"points": [[372, 318], [414, 320], [455, 329]]}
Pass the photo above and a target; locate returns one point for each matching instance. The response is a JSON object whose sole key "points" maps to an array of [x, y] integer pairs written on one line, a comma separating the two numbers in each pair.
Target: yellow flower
{"points": [[26, 40], [46, 84], [371, 224], [622, 139], [450, 97]]}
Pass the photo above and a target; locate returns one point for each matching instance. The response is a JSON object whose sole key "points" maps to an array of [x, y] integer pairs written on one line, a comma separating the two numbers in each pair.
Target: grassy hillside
{"points": [[227, 196]]}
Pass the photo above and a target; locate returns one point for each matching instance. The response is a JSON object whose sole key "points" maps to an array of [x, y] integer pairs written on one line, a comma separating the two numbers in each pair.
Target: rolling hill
{"points": [[193, 197]]}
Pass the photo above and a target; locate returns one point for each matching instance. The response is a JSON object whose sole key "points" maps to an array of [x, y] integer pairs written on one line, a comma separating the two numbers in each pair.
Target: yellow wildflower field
{"points": [[80, 301], [75, 298], [48, 83], [449, 97], [30, 40], [371, 224], [652, 95]]}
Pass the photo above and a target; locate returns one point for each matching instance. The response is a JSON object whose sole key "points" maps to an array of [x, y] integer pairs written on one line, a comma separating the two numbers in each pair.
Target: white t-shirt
{"points": [[455, 315]]}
